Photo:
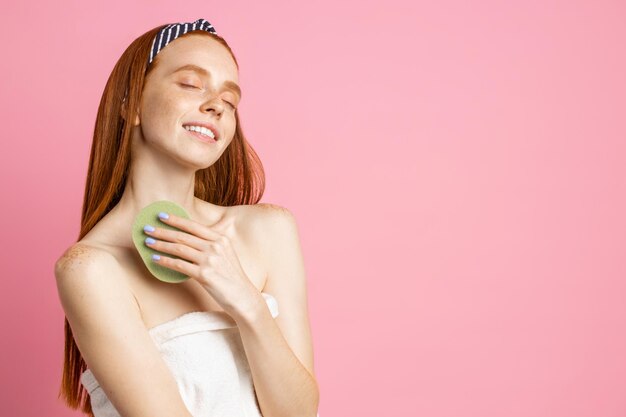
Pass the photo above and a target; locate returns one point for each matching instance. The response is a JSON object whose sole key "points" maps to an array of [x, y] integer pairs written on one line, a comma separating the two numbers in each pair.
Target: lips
{"points": [[208, 125], [201, 137]]}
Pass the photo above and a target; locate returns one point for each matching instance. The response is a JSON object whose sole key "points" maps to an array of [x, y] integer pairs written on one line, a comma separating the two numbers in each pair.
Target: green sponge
{"points": [[150, 215]]}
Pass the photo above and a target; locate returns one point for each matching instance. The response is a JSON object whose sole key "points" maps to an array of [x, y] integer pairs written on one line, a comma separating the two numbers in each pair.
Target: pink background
{"points": [[457, 170]]}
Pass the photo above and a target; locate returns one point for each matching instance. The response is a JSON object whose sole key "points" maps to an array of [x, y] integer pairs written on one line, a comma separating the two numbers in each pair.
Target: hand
{"points": [[208, 257]]}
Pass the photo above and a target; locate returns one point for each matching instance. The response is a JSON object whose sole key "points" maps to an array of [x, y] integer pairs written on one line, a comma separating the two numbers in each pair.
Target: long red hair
{"points": [[237, 177]]}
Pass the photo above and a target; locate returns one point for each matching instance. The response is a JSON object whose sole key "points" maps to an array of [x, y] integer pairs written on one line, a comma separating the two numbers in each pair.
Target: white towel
{"points": [[205, 353]]}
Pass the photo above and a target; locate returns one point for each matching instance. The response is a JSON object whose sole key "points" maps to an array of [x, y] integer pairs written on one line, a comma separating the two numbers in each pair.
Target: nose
{"points": [[214, 104]]}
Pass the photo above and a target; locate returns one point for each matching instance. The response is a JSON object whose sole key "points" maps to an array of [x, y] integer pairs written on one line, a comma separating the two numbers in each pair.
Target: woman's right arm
{"points": [[108, 329]]}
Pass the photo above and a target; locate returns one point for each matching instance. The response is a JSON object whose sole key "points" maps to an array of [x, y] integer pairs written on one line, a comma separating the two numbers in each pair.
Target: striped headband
{"points": [[172, 31]]}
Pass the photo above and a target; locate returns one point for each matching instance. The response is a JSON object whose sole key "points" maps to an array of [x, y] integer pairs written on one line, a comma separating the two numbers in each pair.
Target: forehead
{"points": [[199, 50]]}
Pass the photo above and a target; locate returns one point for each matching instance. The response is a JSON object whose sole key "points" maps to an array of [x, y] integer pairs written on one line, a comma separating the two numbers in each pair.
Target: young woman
{"points": [[214, 345]]}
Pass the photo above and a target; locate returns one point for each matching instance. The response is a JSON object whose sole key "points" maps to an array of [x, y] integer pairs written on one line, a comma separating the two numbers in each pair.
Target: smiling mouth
{"points": [[204, 128], [198, 135]]}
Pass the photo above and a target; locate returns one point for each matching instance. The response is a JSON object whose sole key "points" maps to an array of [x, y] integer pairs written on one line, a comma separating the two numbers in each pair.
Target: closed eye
{"points": [[193, 86], [188, 85]]}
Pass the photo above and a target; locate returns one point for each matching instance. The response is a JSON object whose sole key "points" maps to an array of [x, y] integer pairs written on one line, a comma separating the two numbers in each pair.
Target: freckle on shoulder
{"points": [[76, 255], [273, 207], [263, 216]]}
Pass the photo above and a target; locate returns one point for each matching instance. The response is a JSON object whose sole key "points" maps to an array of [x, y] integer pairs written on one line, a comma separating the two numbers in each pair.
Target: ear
{"points": [[123, 114]]}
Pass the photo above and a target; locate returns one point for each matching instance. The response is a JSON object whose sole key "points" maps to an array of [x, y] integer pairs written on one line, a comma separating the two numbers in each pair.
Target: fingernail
{"points": [[164, 215], [148, 228], [150, 241], [155, 257]]}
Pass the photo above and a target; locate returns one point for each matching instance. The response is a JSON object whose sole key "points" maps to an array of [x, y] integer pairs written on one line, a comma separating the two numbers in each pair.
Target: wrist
{"points": [[251, 309]]}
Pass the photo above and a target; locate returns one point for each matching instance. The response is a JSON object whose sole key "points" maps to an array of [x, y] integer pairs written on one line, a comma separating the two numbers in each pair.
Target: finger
{"points": [[176, 236], [179, 265], [177, 249], [190, 226]]}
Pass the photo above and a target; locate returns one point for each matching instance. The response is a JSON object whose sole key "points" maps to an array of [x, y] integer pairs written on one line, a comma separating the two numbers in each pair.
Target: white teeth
{"points": [[202, 130]]}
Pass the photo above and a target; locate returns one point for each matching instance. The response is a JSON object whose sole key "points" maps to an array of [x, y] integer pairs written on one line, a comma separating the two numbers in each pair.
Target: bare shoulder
{"points": [[82, 255], [270, 228], [80, 259], [88, 269], [264, 217], [271, 208]]}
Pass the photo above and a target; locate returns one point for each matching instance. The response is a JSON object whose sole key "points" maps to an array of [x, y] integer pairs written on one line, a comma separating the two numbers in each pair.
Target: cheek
{"points": [[159, 114]]}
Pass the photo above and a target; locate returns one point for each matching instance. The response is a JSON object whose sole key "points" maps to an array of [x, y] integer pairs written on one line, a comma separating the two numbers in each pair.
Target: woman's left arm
{"points": [[279, 350]]}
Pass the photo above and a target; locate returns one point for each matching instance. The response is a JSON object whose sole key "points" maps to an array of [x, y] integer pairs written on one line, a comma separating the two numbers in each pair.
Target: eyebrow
{"points": [[229, 84]]}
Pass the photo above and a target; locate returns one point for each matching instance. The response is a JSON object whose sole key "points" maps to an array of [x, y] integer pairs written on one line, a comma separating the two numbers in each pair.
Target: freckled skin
{"points": [[269, 207], [168, 102], [73, 257]]}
